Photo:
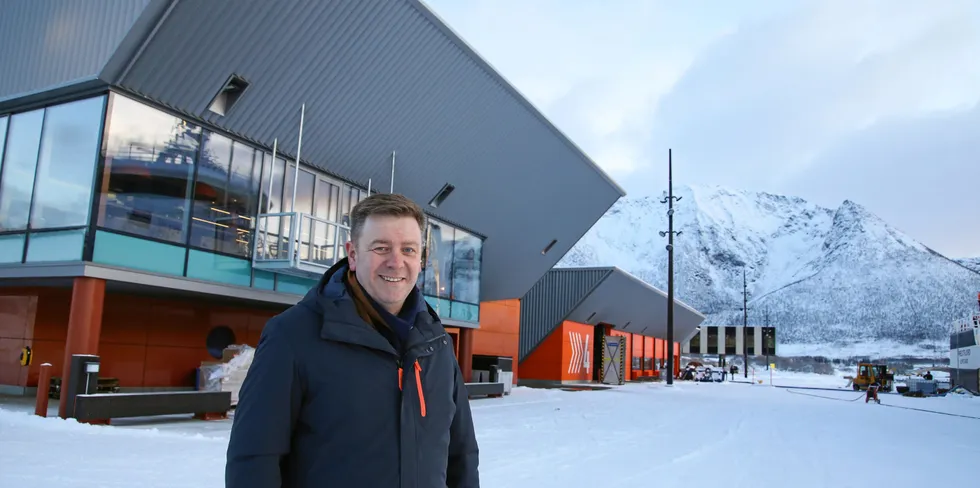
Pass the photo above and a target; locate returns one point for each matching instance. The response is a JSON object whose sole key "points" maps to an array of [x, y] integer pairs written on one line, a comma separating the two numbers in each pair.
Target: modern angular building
{"points": [[582, 325], [152, 210], [733, 340]]}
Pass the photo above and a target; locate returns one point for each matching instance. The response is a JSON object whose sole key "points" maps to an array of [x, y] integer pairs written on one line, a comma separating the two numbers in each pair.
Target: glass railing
{"points": [[297, 243]]}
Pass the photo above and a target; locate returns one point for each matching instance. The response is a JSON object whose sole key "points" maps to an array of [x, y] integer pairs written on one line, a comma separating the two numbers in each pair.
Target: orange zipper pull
{"points": [[399, 378], [418, 384]]}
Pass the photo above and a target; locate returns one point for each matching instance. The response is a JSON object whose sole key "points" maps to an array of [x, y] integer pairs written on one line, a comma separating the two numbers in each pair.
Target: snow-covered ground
{"points": [[711, 434]]}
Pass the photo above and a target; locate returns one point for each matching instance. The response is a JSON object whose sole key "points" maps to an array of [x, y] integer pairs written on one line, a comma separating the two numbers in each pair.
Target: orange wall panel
{"points": [[145, 341], [123, 361], [155, 342], [11, 372], [17, 314], [499, 332], [578, 344], [545, 362], [565, 355]]}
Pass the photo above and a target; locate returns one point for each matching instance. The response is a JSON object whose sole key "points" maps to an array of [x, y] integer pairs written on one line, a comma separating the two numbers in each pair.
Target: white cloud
{"points": [[748, 94]]}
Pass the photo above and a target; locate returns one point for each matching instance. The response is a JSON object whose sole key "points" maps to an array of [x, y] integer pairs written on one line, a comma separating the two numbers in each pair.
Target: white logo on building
{"points": [[580, 353]]}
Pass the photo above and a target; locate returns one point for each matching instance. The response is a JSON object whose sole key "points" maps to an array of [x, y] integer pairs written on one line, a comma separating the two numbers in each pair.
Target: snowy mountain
{"points": [[821, 276], [972, 263]]}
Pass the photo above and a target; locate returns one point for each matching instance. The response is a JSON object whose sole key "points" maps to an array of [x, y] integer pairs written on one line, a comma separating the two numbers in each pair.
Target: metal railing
{"points": [[297, 243]]}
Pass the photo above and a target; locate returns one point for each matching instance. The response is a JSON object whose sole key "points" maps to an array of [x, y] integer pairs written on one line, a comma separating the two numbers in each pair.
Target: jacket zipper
{"points": [[418, 384], [418, 378]]}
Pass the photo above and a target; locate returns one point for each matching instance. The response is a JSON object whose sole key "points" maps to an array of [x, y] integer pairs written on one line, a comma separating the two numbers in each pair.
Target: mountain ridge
{"points": [[969, 263], [819, 275]]}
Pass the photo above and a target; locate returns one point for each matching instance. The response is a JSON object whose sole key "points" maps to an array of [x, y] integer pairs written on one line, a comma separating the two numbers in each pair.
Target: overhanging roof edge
{"points": [[659, 291], [585, 296], [457, 39], [627, 274]]}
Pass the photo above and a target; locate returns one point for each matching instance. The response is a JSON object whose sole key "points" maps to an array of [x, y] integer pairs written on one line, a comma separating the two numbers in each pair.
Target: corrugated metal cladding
{"points": [[631, 305], [379, 76], [551, 299], [50, 43]]}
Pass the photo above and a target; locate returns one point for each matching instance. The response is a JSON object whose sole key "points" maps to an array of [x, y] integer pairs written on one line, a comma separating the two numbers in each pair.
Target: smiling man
{"points": [[357, 385]]}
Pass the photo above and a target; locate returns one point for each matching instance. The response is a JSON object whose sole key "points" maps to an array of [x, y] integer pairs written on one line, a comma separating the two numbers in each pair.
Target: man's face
{"points": [[387, 259]]}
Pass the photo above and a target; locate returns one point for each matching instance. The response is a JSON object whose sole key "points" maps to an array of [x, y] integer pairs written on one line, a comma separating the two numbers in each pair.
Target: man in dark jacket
{"points": [[357, 385]]}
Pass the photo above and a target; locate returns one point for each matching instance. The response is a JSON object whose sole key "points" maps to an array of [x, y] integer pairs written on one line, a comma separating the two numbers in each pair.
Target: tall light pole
{"points": [[767, 334], [670, 264], [745, 323]]}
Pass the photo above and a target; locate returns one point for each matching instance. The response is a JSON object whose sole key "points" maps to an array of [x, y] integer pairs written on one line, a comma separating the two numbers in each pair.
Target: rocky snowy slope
{"points": [[820, 275], [972, 263]]}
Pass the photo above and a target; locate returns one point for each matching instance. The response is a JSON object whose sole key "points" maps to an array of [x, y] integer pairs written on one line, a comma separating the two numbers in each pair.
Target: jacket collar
{"points": [[340, 321]]}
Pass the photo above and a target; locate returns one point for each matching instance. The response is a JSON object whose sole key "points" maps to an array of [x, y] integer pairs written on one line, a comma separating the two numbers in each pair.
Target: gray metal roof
{"points": [[47, 45], [376, 76], [607, 295]]}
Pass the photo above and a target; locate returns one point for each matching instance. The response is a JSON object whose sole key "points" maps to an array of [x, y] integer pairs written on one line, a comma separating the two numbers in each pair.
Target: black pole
{"points": [[766, 347], [670, 265], [745, 324], [765, 338]]}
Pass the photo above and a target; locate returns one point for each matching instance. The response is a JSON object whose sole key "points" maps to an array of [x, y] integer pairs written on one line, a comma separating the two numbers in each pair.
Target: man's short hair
{"points": [[388, 204]]}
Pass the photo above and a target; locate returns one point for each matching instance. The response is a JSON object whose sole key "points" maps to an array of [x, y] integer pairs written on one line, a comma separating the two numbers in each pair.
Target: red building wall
{"points": [[500, 328], [158, 342]]}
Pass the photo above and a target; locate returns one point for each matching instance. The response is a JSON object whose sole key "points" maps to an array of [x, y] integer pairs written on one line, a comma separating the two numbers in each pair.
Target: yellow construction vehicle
{"points": [[871, 373]]}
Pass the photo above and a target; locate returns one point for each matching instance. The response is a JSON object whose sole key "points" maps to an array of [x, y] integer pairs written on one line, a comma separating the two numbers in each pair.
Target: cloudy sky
{"points": [[874, 101]]}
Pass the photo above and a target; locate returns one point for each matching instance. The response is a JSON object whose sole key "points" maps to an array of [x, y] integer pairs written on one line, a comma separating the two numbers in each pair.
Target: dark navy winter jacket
{"points": [[321, 405]]}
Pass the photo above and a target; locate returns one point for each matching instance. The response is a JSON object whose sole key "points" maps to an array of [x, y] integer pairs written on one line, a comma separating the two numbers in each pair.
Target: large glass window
{"points": [[269, 229], [467, 255], [304, 190], [439, 261], [271, 191], [66, 164], [451, 276], [326, 202], [731, 344], [304, 204], [3, 138], [695, 343], [769, 340], [223, 196], [19, 165], [149, 163]]}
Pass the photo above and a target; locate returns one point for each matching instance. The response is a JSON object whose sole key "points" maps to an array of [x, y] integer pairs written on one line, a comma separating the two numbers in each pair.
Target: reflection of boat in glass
{"points": [[147, 192], [152, 189], [964, 352]]}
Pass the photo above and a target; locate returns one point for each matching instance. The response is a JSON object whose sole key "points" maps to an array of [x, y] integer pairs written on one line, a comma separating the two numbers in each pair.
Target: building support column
{"points": [[466, 353], [84, 326]]}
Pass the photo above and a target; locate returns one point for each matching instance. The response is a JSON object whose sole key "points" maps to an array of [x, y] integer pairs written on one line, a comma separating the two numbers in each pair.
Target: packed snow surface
{"points": [[690, 434]]}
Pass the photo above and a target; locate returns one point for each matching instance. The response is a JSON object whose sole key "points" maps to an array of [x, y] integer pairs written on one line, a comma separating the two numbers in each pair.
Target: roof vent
{"points": [[441, 196], [229, 94], [549, 246]]}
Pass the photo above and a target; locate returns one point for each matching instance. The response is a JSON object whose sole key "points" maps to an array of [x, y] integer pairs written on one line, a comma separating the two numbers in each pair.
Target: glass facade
{"points": [[172, 197], [450, 278], [47, 171]]}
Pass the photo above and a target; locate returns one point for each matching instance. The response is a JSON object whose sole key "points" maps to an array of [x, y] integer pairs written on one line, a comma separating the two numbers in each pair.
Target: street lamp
{"points": [[670, 264]]}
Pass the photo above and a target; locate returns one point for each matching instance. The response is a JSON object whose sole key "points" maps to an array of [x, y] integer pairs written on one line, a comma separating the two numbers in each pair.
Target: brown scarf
{"points": [[370, 315], [364, 306]]}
